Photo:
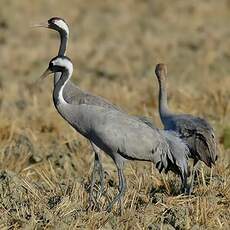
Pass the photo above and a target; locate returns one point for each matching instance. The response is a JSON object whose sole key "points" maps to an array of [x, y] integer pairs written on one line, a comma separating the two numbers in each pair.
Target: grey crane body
{"points": [[196, 132], [104, 126], [74, 95], [180, 154], [119, 135], [198, 135], [112, 131]]}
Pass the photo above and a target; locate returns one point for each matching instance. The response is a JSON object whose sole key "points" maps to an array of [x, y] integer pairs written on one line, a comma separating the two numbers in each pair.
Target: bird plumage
{"points": [[196, 132], [119, 135], [180, 154], [74, 95]]}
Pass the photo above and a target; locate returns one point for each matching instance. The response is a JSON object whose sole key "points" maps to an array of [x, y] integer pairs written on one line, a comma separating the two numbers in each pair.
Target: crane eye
{"points": [[51, 20]]}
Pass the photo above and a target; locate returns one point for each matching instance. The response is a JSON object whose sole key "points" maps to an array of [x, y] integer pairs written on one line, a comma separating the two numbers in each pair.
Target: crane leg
{"points": [[122, 186], [97, 167], [92, 200], [100, 169], [195, 166], [184, 184]]}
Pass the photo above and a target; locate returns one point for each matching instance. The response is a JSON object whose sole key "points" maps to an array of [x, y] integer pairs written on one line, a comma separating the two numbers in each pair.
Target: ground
{"points": [[45, 166]]}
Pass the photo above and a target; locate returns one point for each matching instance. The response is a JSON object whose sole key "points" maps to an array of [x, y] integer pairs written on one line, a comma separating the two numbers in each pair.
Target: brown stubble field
{"points": [[45, 166]]}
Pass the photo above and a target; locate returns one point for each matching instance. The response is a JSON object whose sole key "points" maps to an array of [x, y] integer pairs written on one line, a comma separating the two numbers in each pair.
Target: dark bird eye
{"points": [[51, 65]]}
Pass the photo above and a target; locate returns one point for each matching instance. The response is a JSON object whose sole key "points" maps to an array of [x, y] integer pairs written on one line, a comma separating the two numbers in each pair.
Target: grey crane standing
{"points": [[196, 132], [74, 95], [121, 136]]}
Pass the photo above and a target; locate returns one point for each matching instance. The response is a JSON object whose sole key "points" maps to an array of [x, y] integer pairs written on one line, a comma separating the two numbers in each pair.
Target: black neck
{"points": [[61, 52], [58, 88], [63, 43]]}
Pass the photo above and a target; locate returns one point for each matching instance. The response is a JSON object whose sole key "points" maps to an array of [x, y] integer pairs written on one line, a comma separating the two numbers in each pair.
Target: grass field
{"points": [[45, 166]]}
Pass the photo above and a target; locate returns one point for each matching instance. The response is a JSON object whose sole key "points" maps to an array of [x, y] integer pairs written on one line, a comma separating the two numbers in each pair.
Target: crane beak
{"points": [[45, 74], [43, 24]]}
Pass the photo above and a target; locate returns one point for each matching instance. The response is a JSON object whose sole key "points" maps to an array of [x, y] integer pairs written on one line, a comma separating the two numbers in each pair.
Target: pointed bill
{"points": [[43, 24], [45, 74]]}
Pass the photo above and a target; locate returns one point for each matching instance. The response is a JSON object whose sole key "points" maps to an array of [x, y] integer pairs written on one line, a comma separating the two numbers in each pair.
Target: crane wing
{"points": [[199, 136]]}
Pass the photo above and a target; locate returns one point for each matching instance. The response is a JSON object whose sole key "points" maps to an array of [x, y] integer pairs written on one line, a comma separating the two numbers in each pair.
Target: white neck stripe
{"points": [[62, 25]]}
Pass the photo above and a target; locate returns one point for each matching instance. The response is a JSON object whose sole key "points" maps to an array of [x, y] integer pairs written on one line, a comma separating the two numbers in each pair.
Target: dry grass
{"points": [[45, 166]]}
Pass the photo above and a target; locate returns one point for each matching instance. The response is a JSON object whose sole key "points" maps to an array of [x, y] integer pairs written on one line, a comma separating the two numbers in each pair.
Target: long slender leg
{"points": [[119, 201], [184, 184], [99, 167], [195, 166], [122, 185], [92, 183]]}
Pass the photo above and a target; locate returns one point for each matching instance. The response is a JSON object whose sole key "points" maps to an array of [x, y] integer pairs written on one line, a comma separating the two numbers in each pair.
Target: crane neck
{"points": [[163, 103], [63, 107], [63, 43], [59, 86], [61, 52]]}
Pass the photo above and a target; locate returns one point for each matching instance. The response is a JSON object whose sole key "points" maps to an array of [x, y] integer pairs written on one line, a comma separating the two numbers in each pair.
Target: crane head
{"points": [[55, 23], [58, 64], [161, 70]]}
